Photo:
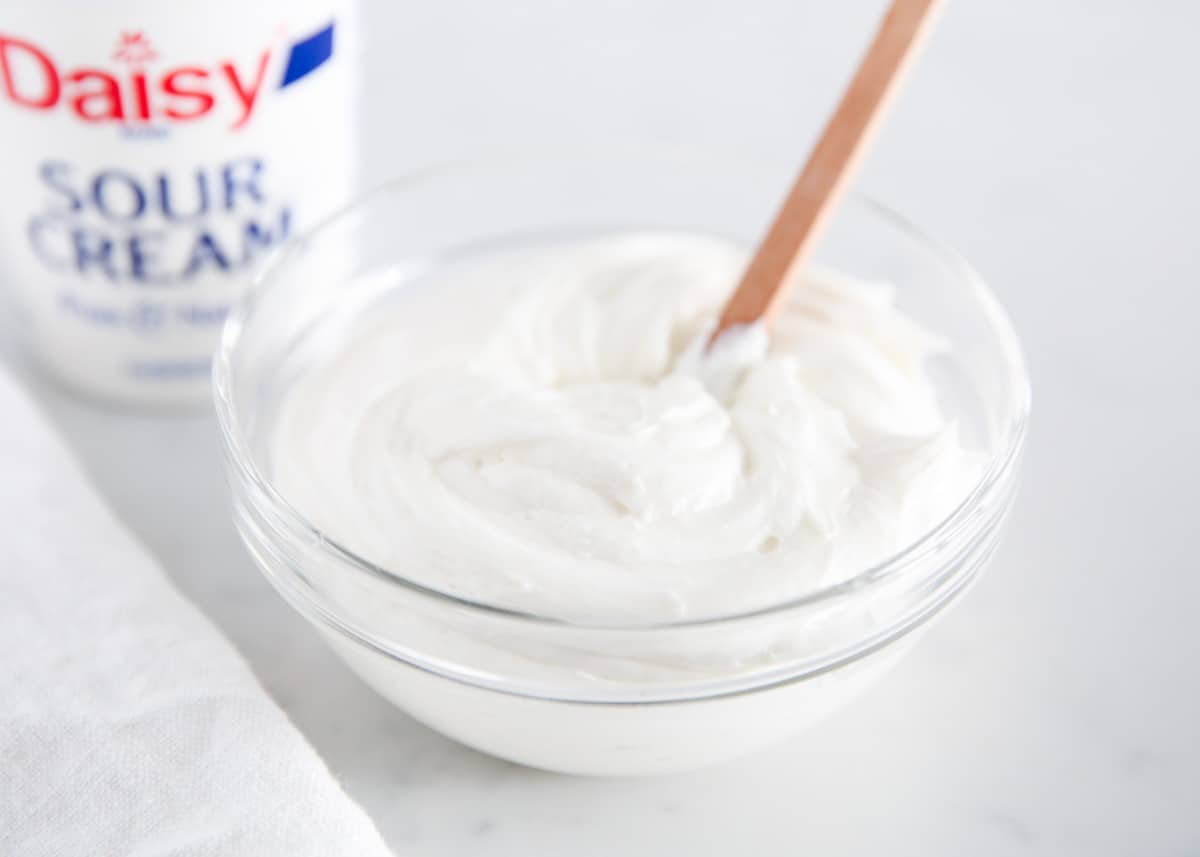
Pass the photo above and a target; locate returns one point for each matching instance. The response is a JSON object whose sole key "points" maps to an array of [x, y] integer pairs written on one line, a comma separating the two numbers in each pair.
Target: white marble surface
{"points": [[1056, 710]]}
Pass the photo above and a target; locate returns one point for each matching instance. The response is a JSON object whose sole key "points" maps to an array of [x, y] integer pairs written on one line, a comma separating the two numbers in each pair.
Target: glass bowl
{"points": [[606, 699]]}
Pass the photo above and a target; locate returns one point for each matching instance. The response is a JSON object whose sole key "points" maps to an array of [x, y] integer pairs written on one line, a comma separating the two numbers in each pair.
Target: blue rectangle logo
{"points": [[308, 55]]}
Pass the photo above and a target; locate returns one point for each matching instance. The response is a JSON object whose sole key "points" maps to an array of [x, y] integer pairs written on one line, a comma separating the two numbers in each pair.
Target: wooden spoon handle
{"points": [[824, 177]]}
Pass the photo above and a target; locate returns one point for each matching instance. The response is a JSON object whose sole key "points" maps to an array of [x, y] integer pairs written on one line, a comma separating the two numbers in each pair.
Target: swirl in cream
{"points": [[542, 430]]}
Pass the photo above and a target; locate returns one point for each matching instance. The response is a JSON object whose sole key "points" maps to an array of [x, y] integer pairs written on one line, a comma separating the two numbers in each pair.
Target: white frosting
{"points": [[543, 430]]}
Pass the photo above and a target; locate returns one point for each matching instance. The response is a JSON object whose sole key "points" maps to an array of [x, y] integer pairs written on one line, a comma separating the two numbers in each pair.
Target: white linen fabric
{"points": [[128, 725]]}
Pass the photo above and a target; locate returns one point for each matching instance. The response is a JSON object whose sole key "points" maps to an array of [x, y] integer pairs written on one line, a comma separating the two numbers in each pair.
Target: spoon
{"points": [[823, 180]]}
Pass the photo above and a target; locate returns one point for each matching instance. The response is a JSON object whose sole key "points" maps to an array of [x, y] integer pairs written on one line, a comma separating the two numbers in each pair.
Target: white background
{"points": [[1054, 711]]}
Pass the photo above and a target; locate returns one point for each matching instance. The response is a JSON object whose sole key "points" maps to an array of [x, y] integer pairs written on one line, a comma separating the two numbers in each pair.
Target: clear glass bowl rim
{"points": [[1008, 447]]}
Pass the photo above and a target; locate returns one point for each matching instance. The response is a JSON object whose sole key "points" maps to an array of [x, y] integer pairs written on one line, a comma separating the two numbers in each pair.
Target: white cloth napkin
{"points": [[128, 726]]}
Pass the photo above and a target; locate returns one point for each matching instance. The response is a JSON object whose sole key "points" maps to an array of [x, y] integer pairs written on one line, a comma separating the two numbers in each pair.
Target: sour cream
{"points": [[544, 430]]}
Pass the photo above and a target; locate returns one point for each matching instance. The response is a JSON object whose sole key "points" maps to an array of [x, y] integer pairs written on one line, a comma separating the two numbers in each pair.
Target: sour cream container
{"points": [[153, 153]]}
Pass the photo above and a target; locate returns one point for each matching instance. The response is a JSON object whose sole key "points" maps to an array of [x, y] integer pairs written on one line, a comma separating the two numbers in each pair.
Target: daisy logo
{"points": [[144, 89]]}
